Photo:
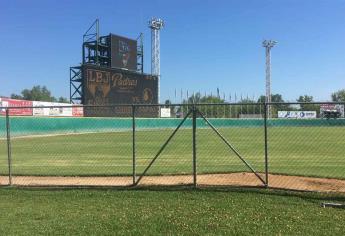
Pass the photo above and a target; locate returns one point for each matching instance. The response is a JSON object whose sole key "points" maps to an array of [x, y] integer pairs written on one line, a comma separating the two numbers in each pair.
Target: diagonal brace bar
{"points": [[232, 148], [163, 147]]}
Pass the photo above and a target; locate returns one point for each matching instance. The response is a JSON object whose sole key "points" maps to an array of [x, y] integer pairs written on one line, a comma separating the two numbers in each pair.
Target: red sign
{"points": [[7, 102], [77, 111]]}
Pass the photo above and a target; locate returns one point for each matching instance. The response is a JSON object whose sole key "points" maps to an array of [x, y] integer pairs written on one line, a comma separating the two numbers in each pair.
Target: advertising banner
{"points": [[37, 108], [297, 114], [8, 102], [332, 107], [165, 113], [77, 111], [51, 109]]}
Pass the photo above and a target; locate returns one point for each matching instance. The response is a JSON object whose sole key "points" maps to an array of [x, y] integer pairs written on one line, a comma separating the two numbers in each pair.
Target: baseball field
{"points": [[307, 149], [306, 155]]}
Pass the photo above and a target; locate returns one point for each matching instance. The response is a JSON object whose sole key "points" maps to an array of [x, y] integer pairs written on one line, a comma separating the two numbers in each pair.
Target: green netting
{"points": [[2, 126]]}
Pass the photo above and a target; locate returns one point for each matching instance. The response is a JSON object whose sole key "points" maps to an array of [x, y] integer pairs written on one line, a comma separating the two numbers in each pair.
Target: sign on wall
{"points": [[297, 114], [38, 108], [8, 102], [51, 109], [332, 107], [165, 112], [77, 111]]}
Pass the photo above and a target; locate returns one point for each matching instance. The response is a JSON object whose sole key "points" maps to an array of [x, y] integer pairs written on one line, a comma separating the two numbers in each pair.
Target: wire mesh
{"points": [[228, 145], [153, 145], [306, 149], [3, 152], [71, 151], [164, 153]]}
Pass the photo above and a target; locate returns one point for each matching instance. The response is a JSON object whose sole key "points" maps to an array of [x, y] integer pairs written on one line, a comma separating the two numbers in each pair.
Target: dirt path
{"points": [[233, 179]]}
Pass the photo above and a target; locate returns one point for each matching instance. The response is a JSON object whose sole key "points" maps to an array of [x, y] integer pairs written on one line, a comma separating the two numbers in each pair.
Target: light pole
{"points": [[268, 44], [156, 24]]}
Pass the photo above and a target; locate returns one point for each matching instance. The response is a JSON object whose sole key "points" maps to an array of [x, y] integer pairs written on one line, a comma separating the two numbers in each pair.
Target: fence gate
{"points": [[164, 150], [230, 151], [201, 151]]}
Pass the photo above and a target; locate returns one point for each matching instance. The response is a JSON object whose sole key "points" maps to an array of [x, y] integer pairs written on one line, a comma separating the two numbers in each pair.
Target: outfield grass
{"points": [[167, 212], [309, 151]]}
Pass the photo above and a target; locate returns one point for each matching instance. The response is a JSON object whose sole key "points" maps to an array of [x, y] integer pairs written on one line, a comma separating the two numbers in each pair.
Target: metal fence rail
{"points": [[296, 146]]}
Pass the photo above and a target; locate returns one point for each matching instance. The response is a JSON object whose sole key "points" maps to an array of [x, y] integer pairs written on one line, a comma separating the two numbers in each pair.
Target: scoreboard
{"points": [[110, 86]]}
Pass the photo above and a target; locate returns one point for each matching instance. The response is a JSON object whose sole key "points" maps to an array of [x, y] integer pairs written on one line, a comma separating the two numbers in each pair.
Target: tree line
{"points": [[244, 105], [38, 93], [42, 93]]}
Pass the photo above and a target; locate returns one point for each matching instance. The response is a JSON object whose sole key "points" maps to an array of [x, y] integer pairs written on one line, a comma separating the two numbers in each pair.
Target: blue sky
{"points": [[205, 44]]}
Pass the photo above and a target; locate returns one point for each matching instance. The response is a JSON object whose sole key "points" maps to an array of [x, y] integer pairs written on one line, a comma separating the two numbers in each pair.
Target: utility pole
{"points": [[156, 24], [268, 44]]}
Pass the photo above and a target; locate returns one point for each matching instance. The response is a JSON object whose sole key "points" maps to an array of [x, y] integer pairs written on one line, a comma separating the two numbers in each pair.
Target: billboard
{"points": [[51, 109], [8, 102], [165, 112], [38, 108], [123, 52], [106, 86], [297, 114], [333, 107], [77, 111]]}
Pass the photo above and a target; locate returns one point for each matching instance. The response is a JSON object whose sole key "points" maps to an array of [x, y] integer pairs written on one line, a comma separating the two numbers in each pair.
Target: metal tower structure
{"points": [[140, 53], [268, 44], [96, 50], [156, 24]]}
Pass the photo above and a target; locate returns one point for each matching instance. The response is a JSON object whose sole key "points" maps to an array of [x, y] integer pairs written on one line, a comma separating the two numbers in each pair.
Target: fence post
{"points": [[9, 154], [133, 144], [194, 146], [266, 145]]}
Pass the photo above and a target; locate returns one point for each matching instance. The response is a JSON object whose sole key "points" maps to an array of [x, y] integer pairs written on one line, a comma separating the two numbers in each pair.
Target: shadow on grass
{"points": [[314, 197]]}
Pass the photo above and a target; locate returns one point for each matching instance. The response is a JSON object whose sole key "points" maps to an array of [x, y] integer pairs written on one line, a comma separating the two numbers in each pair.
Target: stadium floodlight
{"points": [[156, 24], [268, 44]]}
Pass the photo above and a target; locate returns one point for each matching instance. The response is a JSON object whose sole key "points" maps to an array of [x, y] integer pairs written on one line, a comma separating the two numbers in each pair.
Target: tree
{"points": [[208, 110], [245, 107], [338, 96], [308, 107], [196, 98], [16, 96], [274, 98], [38, 93], [278, 98], [305, 98], [63, 100], [211, 110]]}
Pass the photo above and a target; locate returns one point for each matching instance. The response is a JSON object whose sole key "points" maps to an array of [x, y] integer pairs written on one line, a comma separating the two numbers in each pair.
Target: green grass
{"points": [[309, 151], [167, 212]]}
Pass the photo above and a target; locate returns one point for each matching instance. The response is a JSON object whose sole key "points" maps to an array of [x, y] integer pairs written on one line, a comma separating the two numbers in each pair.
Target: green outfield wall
{"points": [[59, 125]]}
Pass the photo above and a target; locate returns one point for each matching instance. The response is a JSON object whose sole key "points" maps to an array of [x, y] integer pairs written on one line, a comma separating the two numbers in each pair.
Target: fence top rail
{"points": [[174, 104]]}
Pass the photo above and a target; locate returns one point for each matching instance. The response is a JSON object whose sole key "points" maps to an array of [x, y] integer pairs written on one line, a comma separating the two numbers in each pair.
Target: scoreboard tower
{"points": [[111, 73]]}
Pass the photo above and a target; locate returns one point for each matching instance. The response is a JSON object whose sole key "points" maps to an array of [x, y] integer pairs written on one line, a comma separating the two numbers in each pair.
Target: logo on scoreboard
{"points": [[124, 52], [147, 95]]}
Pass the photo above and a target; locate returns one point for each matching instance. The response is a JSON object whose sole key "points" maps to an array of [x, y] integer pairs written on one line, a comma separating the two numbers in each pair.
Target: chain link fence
{"points": [[231, 148], [296, 146]]}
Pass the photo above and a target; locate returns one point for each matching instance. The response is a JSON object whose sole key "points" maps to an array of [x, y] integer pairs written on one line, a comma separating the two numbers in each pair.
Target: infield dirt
{"points": [[232, 179]]}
